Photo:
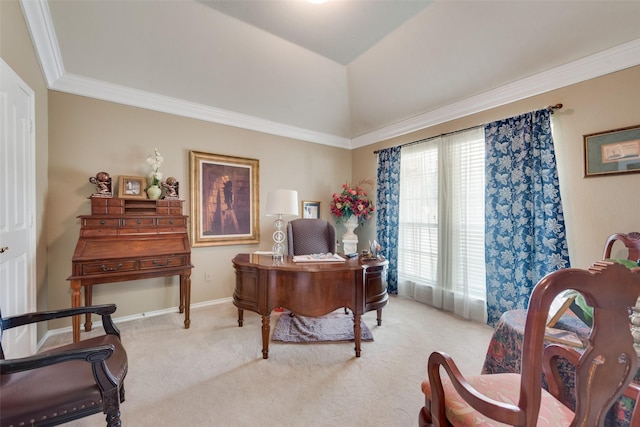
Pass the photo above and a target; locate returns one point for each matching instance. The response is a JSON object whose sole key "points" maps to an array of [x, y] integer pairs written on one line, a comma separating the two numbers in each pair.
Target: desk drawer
{"points": [[100, 222], [163, 262], [172, 225], [95, 227], [139, 222], [108, 267]]}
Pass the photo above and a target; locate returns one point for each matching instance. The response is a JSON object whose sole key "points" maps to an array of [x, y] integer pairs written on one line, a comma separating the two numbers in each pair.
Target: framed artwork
{"points": [[132, 187], [612, 152], [224, 200], [310, 209]]}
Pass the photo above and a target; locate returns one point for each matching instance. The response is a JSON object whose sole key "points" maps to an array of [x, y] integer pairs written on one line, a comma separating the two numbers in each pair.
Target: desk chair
{"points": [[65, 383], [307, 236], [603, 372]]}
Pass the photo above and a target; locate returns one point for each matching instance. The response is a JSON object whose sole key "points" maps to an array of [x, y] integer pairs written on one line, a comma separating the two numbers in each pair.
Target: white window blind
{"points": [[441, 232]]}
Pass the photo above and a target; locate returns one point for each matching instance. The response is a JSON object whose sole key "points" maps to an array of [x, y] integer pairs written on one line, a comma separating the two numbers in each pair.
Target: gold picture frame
{"points": [[310, 209], [225, 200], [612, 152], [132, 187]]}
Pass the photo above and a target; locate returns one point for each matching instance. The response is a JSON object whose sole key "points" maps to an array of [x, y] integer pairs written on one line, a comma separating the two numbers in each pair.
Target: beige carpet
{"points": [[336, 326], [213, 374]]}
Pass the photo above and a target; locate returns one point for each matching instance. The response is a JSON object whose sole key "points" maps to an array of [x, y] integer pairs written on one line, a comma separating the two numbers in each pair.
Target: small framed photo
{"points": [[612, 152], [132, 187], [310, 209]]}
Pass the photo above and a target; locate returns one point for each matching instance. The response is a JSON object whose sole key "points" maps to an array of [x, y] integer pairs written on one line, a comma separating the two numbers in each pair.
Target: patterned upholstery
{"points": [[503, 388], [310, 236]]}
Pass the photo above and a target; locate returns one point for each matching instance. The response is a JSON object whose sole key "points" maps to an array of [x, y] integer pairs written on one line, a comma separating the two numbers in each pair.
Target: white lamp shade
{"points": [[282, 202]]}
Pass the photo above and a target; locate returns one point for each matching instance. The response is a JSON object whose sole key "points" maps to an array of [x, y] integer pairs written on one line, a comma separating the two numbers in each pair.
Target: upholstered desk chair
{"points": [[307, 236], [603, 371], [65, 383]]}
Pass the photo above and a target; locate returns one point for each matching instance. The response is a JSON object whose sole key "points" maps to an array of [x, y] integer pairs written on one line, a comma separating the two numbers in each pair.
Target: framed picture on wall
{"points": [[132, 187], [224, 200], [310, 209], [612, 152]]}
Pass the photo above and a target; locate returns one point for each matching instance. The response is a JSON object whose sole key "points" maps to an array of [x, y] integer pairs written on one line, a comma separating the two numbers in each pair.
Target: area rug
{"points": [[336, 326]]}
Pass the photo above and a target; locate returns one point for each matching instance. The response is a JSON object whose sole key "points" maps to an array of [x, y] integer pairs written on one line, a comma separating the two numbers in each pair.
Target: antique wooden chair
{"points": [[603, 371], [307, 236], [65, 383], [630, 240]]}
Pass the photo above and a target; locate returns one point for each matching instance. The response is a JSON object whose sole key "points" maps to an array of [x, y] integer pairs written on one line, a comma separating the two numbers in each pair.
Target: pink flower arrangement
{"points": [[350, 202]]}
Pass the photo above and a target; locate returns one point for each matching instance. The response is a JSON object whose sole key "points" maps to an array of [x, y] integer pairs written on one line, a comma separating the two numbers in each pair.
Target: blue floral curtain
{"points": [[388, 201], [525, 231]]}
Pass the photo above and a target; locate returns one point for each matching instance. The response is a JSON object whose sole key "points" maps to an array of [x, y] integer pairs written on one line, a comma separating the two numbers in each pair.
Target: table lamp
{"points": [[279, 203]]}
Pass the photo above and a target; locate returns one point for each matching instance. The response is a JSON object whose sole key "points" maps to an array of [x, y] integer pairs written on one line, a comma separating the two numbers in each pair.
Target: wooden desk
{"points": [[308, 289], [130, 239]]}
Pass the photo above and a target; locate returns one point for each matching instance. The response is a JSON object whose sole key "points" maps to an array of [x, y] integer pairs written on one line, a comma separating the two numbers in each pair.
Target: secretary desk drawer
{"points": [[94, 227], [108, 267], [163, 262], [172, 224]]}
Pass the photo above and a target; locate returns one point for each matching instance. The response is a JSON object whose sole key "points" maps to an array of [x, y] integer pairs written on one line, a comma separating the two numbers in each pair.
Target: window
{"points": [[441, 232]]}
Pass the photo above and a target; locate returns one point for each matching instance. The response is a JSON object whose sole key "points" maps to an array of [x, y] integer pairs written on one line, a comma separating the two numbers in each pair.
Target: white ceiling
{"points": [[344, 73]]}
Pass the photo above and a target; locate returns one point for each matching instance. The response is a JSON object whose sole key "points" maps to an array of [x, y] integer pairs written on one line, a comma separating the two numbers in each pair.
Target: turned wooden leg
{"points": [[379, 317], [240, 317], [357, 333], [186, 278], [88, 300], [182, 292], [75, 302], [265, 336]]}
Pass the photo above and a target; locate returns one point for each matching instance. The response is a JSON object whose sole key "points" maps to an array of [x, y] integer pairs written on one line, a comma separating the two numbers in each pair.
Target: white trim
{"points": [[615, 59], [42, 33], [117, 320], [105, 91]]}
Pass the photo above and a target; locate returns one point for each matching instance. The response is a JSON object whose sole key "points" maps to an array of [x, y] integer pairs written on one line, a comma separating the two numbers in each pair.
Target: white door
{"points": [[17, 209]]}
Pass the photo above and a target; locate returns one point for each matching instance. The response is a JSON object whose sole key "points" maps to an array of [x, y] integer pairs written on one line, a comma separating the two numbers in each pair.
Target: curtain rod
{"points": [[551, 109]]}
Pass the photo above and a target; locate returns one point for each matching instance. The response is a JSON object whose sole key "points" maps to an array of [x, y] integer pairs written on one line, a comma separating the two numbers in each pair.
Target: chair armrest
{"points": [[92, 354], [104, 310], [499, 411], [550, 358]]}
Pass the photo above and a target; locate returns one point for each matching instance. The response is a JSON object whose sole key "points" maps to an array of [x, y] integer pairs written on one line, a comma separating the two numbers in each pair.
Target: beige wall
{"points": [[17, 51], [87, 136], [594, 207], [77, 137]]}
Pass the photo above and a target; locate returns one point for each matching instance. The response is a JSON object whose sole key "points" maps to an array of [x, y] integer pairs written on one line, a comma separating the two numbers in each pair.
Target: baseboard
{"points": [[123, 319]]}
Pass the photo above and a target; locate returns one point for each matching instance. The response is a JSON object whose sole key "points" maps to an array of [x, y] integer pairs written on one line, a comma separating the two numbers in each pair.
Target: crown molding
{"points": [[43, 36], [42, 33], [92, 88], [615, 59]]}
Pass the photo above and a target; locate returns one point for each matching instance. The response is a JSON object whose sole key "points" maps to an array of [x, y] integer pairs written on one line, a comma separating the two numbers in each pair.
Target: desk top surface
{"points": [[266, 262]]}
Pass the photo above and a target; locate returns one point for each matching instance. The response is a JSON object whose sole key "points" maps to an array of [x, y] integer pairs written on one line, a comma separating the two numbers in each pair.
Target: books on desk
{"points": [[561, 336], [318, 258]]}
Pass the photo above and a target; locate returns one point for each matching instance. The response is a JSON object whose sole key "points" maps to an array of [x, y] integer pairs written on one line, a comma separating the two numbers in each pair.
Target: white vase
{"points": [[154, 192], [349, 239], [351, 224]]}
